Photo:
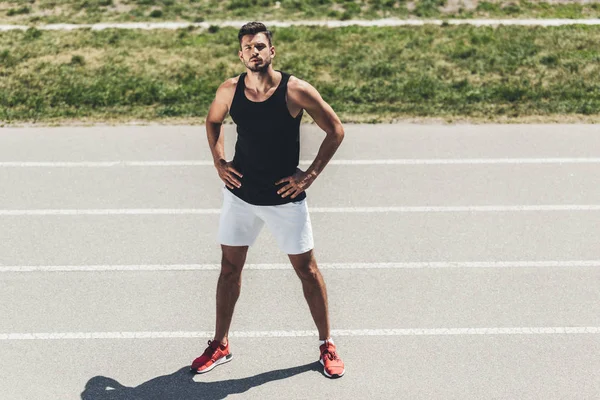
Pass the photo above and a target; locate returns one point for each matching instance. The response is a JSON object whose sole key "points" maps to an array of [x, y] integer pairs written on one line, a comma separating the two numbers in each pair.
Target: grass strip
{"points": [[366, 74], [93, 11]]}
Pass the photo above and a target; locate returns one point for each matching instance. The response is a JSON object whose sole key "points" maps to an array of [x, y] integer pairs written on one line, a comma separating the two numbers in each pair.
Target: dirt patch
{"points": [[567, 1], [92, 57], [324, 76], [337, 7], [452, 6], [120, 7], [5, 6], [159, 60]]}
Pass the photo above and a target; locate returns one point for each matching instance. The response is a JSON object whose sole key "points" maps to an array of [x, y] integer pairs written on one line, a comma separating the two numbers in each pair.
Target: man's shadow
{"points": [[181, 385]]}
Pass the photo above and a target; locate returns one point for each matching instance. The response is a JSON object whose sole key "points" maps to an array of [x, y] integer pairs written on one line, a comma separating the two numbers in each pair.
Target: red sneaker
{"points": [[214, 355], [332, 363]]}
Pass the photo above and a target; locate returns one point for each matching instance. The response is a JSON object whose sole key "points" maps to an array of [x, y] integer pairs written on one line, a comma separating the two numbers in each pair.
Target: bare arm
{"points": [[324, 116], [214, 123], [216, 136], [307, 97]]}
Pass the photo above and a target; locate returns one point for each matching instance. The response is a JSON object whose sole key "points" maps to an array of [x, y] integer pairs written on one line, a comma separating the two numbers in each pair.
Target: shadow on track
{"points": [[180, 385]]}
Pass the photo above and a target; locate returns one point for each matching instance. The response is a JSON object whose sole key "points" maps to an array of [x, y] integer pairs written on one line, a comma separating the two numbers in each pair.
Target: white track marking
{"points": [[201, 163], [204, 211], [565, 207], [111, 211], [387, 265], [465, 161], [334, 332], [330, 24], [103, 164]]}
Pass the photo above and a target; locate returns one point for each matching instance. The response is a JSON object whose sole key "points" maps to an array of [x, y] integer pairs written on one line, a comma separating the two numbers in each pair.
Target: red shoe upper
{"points": [[213, 352], [334, 366]]}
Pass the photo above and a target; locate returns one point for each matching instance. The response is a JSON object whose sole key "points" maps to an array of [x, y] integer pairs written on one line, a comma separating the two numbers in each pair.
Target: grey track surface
{"points": [[491, 366]]}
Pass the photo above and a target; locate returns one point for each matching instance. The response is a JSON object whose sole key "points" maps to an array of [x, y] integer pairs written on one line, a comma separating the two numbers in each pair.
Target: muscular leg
{"points": [[314, 289], [228, 288]]}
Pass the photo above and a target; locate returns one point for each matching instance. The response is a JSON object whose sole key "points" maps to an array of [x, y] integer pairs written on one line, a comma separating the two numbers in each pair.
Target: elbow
{"points": [[339, 134], [335, 132]]}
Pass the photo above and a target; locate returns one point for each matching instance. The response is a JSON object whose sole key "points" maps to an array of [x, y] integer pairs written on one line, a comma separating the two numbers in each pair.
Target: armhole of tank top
{"points": [[297, 117], [238, 88], [285, 78]]}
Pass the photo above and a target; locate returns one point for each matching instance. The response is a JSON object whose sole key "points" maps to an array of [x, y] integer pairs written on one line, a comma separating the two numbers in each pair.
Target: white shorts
{"points": [[241, 222]]}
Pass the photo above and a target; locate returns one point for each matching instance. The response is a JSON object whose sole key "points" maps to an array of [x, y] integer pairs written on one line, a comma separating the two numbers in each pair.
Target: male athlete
{"points": [[263, 184]]}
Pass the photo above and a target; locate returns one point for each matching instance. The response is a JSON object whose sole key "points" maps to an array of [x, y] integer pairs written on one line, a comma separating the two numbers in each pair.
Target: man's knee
{"points": [[306, 267], [310, 274], [232, 261]]}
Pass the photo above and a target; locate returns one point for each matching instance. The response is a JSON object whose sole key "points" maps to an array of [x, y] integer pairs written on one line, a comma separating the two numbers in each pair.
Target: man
{"points": [[263, 184]]}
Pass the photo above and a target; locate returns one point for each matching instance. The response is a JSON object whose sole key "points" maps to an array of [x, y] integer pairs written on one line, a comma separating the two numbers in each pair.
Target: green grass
{"points": [[366, 74], [93, 11]]}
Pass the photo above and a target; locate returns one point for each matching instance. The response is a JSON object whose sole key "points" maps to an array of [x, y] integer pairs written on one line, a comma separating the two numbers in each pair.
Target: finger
{"points": [[232, 181], [297, 193], [286, 179], [286, 194], [235, 171], [286, 187]]}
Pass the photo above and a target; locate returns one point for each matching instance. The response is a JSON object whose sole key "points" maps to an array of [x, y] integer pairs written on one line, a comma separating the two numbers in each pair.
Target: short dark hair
{"points": [[252, 28]]}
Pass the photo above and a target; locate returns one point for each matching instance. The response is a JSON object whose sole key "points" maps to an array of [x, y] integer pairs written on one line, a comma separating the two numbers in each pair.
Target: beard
{"points": [[259, 68]]}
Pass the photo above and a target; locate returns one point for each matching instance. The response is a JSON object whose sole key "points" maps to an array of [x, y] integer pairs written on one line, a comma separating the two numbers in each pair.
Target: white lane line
{"points": [[465, 161], [109, 211], [203, 211], [201, 163], [103, 164], [565, 207], [331, 24], [334, 332], [385, 265]]}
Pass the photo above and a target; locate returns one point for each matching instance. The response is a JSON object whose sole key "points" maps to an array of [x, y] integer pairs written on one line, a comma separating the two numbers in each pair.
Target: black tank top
{"points": [[268, 144]]}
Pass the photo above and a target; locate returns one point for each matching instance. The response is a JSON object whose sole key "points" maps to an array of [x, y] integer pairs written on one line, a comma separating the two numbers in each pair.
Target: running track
{"points": [[462, 262]]}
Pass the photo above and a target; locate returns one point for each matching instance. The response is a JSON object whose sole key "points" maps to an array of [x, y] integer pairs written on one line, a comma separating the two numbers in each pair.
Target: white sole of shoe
{"points": [[220, 361], [331, 376]]}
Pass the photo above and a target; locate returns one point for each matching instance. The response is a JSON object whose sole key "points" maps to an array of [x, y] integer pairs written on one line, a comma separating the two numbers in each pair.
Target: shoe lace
{"points": [[210, 350], [332, 355]]}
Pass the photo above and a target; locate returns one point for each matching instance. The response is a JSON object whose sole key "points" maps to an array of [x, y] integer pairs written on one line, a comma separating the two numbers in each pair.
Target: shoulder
{"points": [[226, 91], [302, 91], [298, 85], [228, 87]]}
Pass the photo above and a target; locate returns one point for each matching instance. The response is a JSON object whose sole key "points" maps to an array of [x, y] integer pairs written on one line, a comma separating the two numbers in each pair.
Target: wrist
{"points": [[312, 174]]}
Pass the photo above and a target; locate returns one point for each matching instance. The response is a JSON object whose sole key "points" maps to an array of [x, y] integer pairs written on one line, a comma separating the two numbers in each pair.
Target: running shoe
{"points": [[333, 366], [214, 355]]}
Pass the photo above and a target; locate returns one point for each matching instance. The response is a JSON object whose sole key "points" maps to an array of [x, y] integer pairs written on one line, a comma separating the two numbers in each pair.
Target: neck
{"points": [[262, 81]]}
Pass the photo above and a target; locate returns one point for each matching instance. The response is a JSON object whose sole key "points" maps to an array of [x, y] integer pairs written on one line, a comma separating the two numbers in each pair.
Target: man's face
{"points": [[256, 53]]}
